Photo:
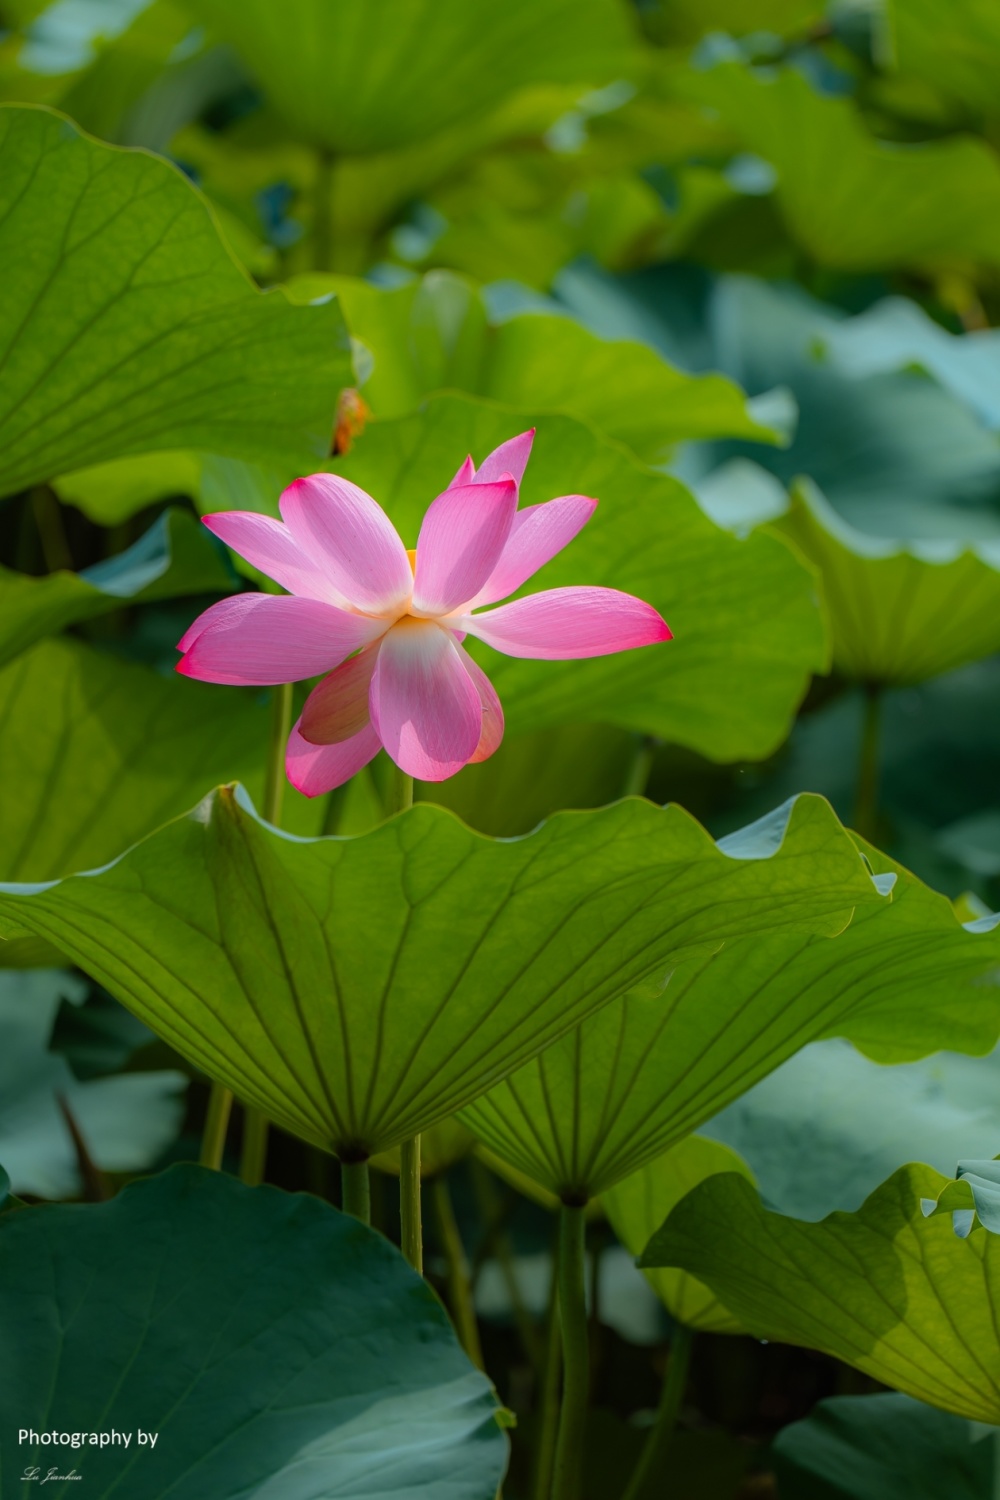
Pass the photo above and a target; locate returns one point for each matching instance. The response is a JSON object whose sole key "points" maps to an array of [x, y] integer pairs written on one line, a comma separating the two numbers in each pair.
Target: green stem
{"points": [[866, 800], [545, 1447], [274, 779], [51, 531], [576, 1353], [653, 1459], [637, 775], [399, 792], [323, 212], [213, 1141], [409, 1203], [253, 1157], [356, 1190], [463, 1310]]}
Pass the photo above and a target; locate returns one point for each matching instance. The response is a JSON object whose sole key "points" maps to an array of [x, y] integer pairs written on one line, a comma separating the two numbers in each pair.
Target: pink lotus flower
{"points": [[387, 625]]}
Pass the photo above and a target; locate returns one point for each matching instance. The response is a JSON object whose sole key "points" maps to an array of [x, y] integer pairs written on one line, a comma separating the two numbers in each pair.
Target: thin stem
{"points": [[51, 531], [253, 1155], [463, 1310], [545, 1448], [576, 1353], [213, 1141], [653, 1458], [637, 775], [274, 780], [399, 793], [409, 1203], [866, 799], [356, 1190]]}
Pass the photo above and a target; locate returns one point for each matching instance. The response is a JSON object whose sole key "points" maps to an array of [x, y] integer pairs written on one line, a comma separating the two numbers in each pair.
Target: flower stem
{"points": [[576, 1353], [652, 1460], [356, 1190], [213, 1141], [640, 765], [409, 1203], [463, 1310], [253, 1157], [399, 793], [866, 798], [545, 1448]]}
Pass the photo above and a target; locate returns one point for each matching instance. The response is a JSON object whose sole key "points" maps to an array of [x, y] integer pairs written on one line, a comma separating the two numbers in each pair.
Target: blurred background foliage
{"points": [[746, 251]]}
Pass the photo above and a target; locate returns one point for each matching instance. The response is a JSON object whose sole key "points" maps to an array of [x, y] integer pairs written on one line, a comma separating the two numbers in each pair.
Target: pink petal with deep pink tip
{"points": [[350, 537], [424, 704], [460, 543], [510, 458], [258, 640], [271, 547], [465, 475], [315, 769], [536, 535], [337, 708], [560, 624], [491, 733]]}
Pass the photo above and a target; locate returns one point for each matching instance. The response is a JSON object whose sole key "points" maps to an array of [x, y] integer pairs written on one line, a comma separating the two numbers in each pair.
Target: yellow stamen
{"points": [[411, 553]]}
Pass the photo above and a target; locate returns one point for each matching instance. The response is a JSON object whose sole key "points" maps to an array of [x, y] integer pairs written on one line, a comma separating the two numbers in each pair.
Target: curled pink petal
{"points": [[315, 769], [424, 704], [257, 640], [510, 458], [337, 708], [271, 547], [460, 543], [350, 537], [466, 473], [491, 733], [560, 624], [536, 535]]}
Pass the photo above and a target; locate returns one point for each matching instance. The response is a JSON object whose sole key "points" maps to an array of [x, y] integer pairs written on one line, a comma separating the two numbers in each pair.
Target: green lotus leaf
{"points": [[850, 200], [436, 333], [897, 334], [4, 1189], [360, 79], [743, 611], [900, 612], [126, 1122], [310, 975], [974, 1196], [823, 1130], [960, 59], [97, 752], [904, 979], [885, 1447], [885, 1289], [112, 492], [129, 326], [273, 1345], [175, 557], [638, 1205], [683, 21]]}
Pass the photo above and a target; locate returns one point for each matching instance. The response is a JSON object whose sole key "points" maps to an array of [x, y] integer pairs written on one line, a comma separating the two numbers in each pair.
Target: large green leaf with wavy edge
{"points": [[175, 557], [900, 612], [884, 1447], [359, 78], [895, 1294], [850, 200], [128, 326], [96, 752], [744, 612], [436, 333], [360, 990], [904, 979], [638, 1205], [272, 1343]]}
